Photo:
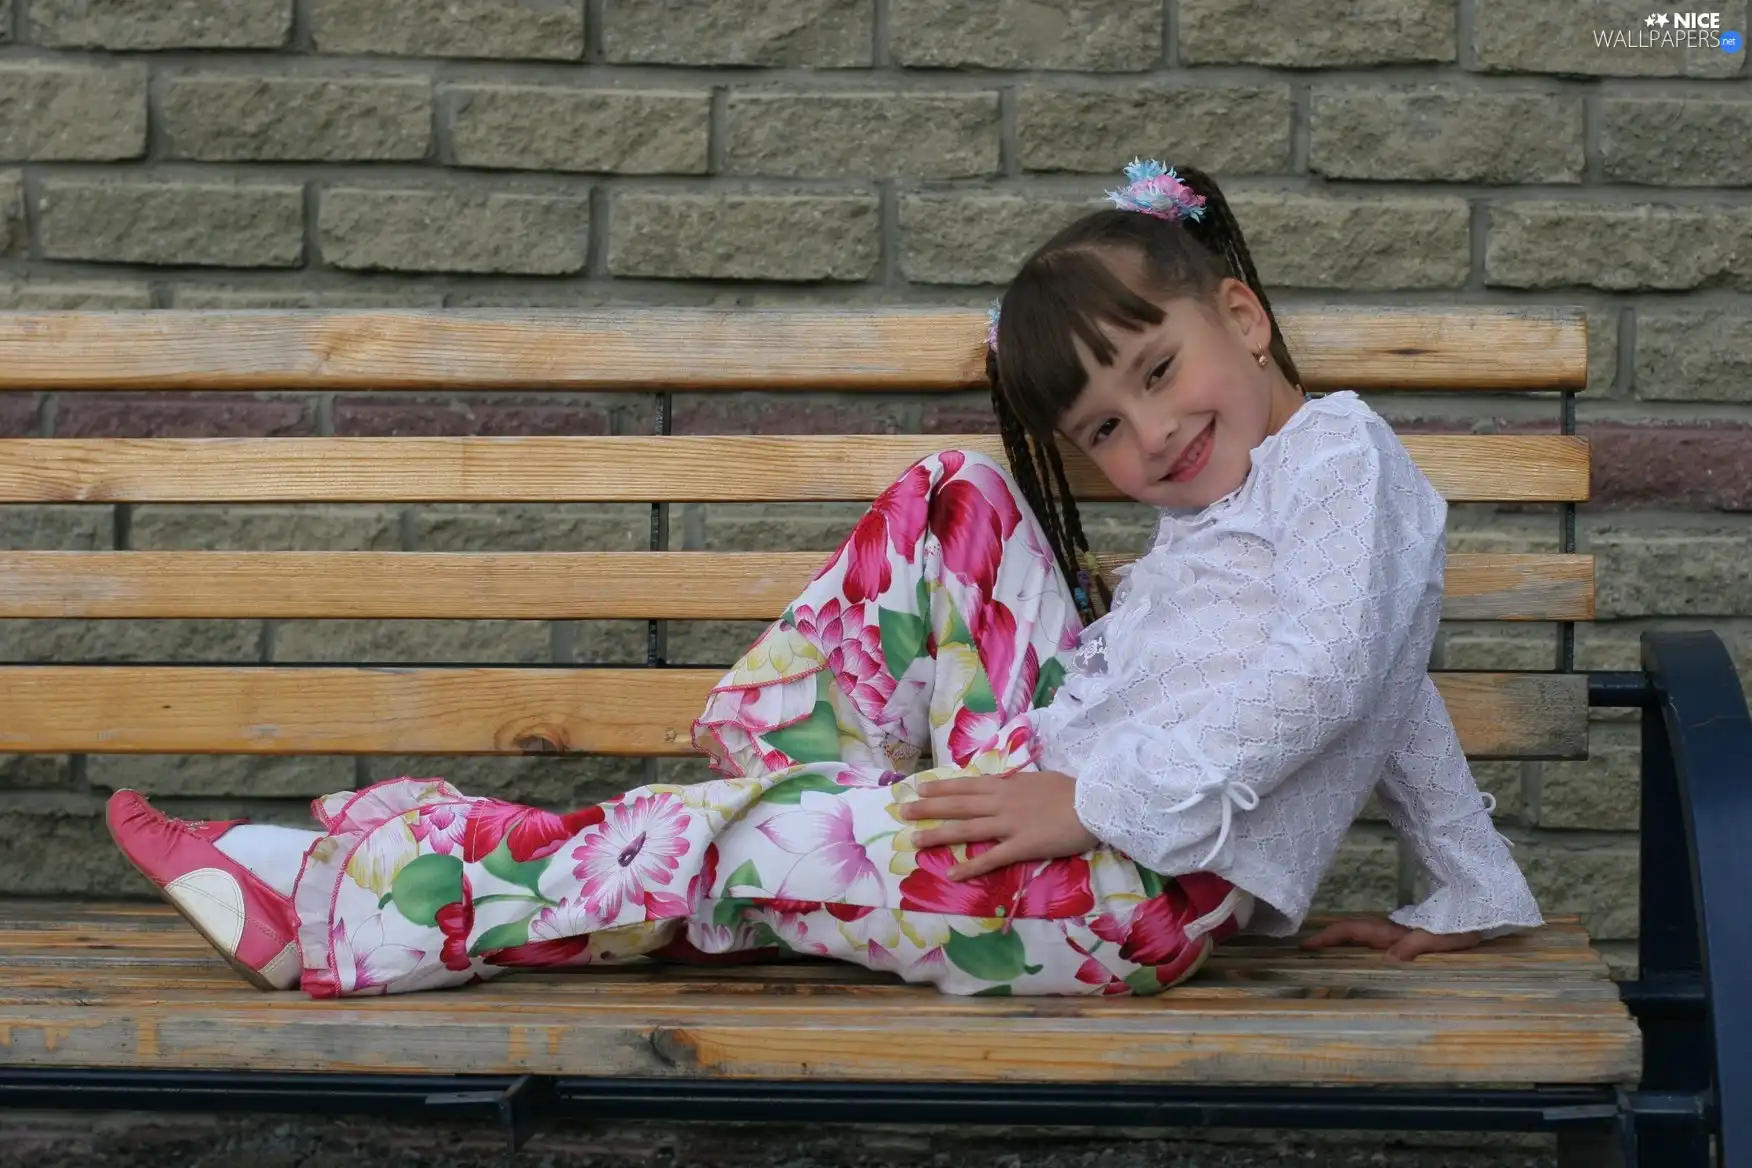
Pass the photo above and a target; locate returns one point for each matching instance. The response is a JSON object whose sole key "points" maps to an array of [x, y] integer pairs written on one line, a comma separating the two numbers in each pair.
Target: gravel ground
{"points": [[113, 1141]]}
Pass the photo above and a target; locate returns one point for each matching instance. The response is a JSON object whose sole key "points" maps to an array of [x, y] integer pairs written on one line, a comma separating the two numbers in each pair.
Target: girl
{"points": [[1105, 802]]}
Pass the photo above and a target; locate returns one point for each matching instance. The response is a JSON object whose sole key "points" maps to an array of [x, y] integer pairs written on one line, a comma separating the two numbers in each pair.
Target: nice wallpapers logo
{"points": [[1672, 30]]}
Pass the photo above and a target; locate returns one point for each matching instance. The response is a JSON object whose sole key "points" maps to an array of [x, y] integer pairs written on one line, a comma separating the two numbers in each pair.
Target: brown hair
{"points": [[1063, 294]]}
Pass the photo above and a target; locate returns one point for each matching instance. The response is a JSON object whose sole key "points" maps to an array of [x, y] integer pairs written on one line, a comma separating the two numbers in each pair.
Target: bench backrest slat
{"points": [[693, 349]]}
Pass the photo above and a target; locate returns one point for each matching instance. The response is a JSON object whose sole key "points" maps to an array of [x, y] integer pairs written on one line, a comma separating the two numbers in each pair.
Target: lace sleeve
{"points": [[1356, 532], [1435, 807]]}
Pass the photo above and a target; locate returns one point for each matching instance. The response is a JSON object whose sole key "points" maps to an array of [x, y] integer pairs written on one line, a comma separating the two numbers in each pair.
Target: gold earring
{"points": [[1260, 357]]}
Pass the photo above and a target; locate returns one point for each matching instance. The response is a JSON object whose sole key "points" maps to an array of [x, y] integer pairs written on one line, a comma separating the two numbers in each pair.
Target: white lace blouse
{"points": [[1264, 668]]}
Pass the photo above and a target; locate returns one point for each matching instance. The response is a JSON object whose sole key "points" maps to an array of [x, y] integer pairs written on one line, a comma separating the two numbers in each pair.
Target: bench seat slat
{"points": [[1509, 468], [576, 585], [129, 985], [48, 709], [702, 349]]}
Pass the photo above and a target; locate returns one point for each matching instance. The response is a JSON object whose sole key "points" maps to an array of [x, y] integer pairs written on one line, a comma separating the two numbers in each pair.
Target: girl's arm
{"points": [[1435, 807], [1358, 550]]}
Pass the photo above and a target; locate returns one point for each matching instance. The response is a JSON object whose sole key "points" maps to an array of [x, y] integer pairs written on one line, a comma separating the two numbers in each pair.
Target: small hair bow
{"points": [[1156, 190], [992, 324]]}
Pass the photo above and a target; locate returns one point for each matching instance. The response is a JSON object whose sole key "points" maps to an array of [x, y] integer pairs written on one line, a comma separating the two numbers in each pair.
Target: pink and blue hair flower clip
{"points": [[1156, 190], [992, 324]]}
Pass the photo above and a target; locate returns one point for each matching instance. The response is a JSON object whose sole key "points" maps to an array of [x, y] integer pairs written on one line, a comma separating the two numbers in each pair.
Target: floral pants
{"points": [[934, 629]]}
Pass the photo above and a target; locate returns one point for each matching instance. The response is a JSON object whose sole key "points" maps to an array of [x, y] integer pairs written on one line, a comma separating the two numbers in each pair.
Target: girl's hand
{"points": [[1401, 943], [1031, 815]]}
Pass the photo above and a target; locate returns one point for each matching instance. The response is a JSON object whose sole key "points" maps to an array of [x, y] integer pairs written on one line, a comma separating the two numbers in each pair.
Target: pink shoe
{"points": [[252, 926]]}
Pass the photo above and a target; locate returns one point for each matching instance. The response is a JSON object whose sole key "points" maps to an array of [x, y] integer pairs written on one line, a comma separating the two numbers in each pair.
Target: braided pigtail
{"points": [[1040, 474]]}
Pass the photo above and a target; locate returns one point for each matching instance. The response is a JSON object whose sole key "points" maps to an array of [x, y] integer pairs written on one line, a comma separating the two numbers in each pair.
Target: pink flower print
{"points": [[833, 864], [440, 827], [532, 833], [637, 850], [854, 651], [972, 734], [456, 922], [792, 929], [558, 935], [365, 960], [895, 520], [866, 778]]}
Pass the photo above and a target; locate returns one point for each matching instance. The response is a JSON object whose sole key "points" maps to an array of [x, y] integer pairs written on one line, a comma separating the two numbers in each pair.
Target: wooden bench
{"points": [[120, 1005]]}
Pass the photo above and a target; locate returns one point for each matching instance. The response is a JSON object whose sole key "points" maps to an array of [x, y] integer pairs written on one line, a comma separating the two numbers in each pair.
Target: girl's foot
{"points": [[252, 925]]}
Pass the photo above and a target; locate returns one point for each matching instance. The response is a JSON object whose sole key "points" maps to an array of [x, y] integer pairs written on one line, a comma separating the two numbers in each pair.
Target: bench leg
{"points": [[1590, 1149]]}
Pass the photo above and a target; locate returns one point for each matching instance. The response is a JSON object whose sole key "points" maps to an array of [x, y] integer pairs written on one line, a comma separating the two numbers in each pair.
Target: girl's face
{"points": [[1173, 420]]}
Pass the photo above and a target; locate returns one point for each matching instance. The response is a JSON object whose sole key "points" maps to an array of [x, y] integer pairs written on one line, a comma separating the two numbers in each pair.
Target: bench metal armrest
{"points": [[1696, 924]]}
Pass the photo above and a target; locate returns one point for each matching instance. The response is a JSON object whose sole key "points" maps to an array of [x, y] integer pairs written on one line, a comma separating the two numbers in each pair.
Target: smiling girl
{"points": [[1120, 780]]}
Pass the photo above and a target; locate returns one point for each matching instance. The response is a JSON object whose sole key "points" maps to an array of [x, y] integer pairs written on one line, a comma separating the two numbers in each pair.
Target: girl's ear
{"points": [[1242, 311]]}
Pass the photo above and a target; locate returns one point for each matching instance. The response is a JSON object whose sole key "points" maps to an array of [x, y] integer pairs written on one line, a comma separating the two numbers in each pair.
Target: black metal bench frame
{"points": [[1691, 1000]]}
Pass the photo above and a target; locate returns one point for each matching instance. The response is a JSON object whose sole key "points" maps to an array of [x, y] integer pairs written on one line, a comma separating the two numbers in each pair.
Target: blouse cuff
{"points": [[1452, 910]]}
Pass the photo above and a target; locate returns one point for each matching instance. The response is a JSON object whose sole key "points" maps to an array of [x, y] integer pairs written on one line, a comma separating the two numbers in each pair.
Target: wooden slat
{"points": [[126, 985], [692, 349], [575, 585], [681, 469], [322, 710]]}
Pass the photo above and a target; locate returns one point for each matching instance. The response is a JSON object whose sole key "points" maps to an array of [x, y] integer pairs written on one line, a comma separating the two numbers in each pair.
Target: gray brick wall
{"points": [[355, 153]]}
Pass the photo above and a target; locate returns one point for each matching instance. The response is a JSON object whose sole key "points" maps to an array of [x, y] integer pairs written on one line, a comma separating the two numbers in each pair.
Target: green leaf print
{"points": [[747, 876], [791, 790], [997, 956], [815, 739], [425, 886], [958, 631], [728, 913], [501, 937], [997, 991], [1052, 675], [903, 639], [1153, 882], [1144, 980], [525, 875], [979, 699]]}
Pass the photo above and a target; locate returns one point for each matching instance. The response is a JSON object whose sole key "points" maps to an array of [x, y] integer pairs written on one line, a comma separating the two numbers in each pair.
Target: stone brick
{"points": [[537, 29], [168, 415], [1594, 38], [1691, 468], [1593, 878], [744, 236], [1364, 876], [58, 846], [223, 775], [455, 417], [557, 782], [744, 413], [62, 295], [1700, 355], [52, 111], [755, 527], [949, 238], [1310, 34], [1497, 646], [414, 641], [1093, 35], [158, 221], [1435, 134], [12, 229], [19, 414], [1602, 353], [160, 24], [552, 127], [164, 527], [1618, 645], [1617, 248], [35, 772], [208, 296], [819, 34], [369, 229], [5, 21], [1087, 130], [1603, 792], [281, 117], [825, 135], [714, 643], [1674, 141], [1302, 241], [1669, 570], [1506, 781], [530, 527], [41, 642], [70, 527]]}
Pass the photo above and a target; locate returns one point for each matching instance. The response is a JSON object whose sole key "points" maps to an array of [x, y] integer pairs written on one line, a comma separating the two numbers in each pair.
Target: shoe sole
{"points": [[251, 976]]}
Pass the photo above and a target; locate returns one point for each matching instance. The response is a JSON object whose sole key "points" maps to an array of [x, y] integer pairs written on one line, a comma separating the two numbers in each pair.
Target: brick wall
{"points": [[347, 153]]}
